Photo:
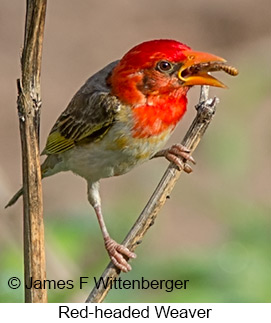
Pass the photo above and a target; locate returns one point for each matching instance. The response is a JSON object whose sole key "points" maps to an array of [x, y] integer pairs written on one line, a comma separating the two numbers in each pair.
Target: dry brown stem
{"points": [[29, 103]]}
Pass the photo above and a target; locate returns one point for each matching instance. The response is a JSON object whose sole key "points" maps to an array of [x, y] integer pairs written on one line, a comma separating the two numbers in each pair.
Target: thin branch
{"points": [[29, 103], [205, 111]]}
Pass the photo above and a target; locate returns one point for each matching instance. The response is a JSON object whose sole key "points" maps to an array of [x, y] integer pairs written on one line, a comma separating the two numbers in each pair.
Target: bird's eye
{"points": [[164, 66]]}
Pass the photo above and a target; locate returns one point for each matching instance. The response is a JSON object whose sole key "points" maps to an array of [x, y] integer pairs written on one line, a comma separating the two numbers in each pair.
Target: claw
{"points": [[117, 254], [181, 151], [188, 169], [174, 153]]}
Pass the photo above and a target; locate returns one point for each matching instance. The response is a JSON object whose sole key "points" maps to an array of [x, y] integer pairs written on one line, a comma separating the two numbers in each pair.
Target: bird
{"points": [[122, 116]]}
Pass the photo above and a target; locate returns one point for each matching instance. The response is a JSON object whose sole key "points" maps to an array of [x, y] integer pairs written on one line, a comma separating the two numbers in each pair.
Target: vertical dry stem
{"points": [[29, 103]]}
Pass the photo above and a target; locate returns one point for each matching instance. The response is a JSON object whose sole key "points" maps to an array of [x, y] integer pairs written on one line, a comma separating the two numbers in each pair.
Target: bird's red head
{"points": [[147, 54], [154, 77]]}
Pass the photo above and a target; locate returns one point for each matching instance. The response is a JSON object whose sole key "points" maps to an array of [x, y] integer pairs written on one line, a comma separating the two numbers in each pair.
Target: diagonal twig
{"points": [[205, 111]]}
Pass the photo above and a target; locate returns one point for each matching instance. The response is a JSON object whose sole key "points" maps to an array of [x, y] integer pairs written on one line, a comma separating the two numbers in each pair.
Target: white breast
{"points": [[115, 154]]}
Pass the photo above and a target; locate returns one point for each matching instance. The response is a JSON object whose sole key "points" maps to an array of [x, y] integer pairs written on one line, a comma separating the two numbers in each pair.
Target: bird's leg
{"points": [[116, 251], [174, 154]]}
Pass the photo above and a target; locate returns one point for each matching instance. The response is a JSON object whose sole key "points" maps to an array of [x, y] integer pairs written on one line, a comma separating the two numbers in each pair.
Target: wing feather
{"points": [[87, 118]]}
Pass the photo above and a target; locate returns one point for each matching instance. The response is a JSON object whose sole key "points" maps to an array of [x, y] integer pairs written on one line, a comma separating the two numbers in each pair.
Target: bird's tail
{"points": [[50, 166], [15, 198]]}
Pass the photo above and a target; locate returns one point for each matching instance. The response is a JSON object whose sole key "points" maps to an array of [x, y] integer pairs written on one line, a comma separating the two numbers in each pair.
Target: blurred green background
{"points": [[216, 229]]}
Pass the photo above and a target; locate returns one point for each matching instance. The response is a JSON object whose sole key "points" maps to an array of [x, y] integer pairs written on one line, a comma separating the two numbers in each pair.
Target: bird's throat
{"points": [[158, 115], [157, 104]]}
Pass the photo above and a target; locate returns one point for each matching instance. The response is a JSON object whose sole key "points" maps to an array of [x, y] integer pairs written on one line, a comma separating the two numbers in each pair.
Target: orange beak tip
{"points": [[196, 68], [194, 57]]}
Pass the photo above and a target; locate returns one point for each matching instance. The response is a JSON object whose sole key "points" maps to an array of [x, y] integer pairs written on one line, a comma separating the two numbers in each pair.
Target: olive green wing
{"points": [[86, 119]]}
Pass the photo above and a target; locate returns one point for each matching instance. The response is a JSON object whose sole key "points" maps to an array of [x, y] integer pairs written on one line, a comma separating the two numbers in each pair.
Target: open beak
{"points": [[197, 67]]}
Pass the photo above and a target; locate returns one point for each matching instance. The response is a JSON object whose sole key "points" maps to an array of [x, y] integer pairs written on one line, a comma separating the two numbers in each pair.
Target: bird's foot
{"points": [[175, 153], [118, 254]]}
